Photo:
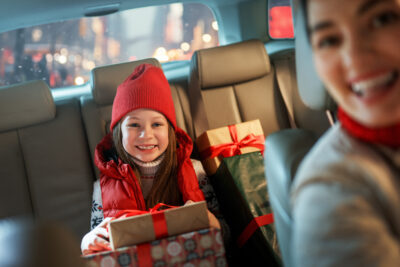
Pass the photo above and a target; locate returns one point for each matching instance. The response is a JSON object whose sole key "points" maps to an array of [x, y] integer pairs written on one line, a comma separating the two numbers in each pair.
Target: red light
{"points": [[281, 22]]}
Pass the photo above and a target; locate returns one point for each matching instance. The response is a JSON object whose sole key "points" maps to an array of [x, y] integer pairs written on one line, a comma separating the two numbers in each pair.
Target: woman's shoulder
{"points": [[339, 159]]}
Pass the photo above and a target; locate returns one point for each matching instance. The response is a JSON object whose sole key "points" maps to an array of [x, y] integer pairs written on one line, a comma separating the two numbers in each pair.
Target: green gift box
{"points": [[241, 190]]}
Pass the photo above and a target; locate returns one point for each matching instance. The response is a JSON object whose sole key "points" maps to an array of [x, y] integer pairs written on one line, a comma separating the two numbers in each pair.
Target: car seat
{"points": [[287, 148]]}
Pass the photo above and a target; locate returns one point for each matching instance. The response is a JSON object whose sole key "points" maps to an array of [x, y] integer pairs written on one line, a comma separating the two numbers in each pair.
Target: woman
{"points": [[346, 195]]}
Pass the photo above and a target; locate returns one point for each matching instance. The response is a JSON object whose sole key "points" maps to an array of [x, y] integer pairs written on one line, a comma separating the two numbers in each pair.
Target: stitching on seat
{"points": [[237, 102], [28, 186]]}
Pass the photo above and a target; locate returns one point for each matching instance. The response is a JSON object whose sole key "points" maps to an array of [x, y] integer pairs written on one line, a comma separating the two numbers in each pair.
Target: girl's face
{"points": [[356, 46], [144, 134]]}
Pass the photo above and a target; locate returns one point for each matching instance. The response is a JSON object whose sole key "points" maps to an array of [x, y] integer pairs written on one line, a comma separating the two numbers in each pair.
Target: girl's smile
{"points": [[144, 134]]}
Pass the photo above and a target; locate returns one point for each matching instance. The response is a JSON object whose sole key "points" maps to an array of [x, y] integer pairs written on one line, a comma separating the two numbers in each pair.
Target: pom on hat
{"points": [[146, 87]]}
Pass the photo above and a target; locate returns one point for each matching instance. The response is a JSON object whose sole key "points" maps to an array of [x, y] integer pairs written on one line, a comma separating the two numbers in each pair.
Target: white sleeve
{"points": [[97, 206], [211, 198]]}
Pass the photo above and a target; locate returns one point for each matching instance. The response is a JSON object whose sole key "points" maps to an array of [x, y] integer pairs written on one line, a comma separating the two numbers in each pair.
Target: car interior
{"points": [[47, 141]]}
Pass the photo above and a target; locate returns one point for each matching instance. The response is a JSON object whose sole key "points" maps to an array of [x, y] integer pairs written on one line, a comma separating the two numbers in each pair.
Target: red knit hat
{"points": [[146, 87]]}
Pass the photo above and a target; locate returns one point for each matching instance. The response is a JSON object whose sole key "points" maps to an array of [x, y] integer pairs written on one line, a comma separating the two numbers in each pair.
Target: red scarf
{"points": [[389, 136]]}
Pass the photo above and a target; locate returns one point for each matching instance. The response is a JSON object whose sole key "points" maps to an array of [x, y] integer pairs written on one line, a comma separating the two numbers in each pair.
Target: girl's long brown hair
{"points": [[165, 187]]}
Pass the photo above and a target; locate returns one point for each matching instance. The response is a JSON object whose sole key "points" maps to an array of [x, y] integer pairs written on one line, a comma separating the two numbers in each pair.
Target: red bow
{"points": [[158, 216], [233, 148]]}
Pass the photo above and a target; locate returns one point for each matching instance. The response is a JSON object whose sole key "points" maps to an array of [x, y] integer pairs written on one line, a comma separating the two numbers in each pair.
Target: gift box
{"points": [[229, 141], [158, 224], [241, 190], [199, 248]]}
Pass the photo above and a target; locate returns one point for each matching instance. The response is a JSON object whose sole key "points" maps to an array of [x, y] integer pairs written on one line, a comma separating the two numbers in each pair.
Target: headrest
{"points": [[25, 104], [311, 89], [230, 64], [106, 79]]}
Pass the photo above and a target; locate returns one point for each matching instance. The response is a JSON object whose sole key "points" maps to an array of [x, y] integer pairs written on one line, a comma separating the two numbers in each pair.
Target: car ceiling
{"points": [[16, 14]]}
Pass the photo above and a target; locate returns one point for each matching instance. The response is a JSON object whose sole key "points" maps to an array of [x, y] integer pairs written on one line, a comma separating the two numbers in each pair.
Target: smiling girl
{"points": [[145, 159], [346, 195]]}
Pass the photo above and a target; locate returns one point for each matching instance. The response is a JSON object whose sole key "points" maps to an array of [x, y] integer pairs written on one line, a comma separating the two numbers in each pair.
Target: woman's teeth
{"points": [[146, 147], [370, 86]]}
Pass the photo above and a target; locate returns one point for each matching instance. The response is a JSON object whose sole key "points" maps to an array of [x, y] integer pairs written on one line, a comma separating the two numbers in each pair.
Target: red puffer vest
{"points": [[120, 188]]}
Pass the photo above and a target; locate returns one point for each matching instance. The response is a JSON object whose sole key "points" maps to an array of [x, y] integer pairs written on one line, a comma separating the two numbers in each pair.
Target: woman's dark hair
{"points": [[165, 187]]}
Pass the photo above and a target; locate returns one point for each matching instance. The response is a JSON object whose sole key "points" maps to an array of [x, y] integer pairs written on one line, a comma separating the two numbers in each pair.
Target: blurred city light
{"points": [[37, 35], [206, 38], [62, 59], [79, 80], [161, 54], [214, 25], [185, 46]]}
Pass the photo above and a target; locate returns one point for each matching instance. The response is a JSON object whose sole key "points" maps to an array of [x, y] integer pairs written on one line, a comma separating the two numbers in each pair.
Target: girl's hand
{"points": [[189, 202], [96, 240], [213, 220]]}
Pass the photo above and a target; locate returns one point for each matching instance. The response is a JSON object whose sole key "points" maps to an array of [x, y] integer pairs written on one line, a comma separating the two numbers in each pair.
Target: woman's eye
{"points": [[384, 19], [328, 41], [134, 124]]}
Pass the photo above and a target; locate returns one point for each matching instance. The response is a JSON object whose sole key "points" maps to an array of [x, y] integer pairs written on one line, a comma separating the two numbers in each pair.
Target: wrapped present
{"points": [[229, 141], [148, 226], [241, 190], [199, 248]]}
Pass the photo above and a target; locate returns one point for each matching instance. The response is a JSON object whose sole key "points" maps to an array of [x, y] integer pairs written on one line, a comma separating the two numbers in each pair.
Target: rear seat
{"points": [[44, 161], [300, 115], [96, 110], [232, 84], [240, 82]]}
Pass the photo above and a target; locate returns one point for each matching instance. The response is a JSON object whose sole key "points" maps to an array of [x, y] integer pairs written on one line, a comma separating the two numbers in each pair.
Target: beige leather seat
{"points": [[287, 148], [96, 110], [300, 115], [44, 161], [232, 84]]}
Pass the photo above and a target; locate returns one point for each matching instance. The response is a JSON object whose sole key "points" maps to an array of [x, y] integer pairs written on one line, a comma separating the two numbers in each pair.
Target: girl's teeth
{"points": [[147, 147], [371, 85]]}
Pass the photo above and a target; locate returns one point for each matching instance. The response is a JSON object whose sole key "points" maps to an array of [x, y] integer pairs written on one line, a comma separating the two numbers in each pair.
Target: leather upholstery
{"points": [[301, 115], [27, 243], [17, 101], [237, 63], [285, 150], [232, 84], [45, 167]]}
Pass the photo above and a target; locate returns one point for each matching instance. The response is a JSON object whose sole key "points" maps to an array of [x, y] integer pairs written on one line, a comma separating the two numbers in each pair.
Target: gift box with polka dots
{"points": [[200, 248]]}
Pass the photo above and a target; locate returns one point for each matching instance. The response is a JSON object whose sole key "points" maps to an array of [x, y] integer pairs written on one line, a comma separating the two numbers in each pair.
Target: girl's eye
{"points": [[157, 124], [384, 19], [134, 124]]}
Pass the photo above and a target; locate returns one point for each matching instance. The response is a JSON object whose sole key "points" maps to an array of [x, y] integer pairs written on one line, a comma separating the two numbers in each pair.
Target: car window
{"points": [[280, 19], [63, 53]]}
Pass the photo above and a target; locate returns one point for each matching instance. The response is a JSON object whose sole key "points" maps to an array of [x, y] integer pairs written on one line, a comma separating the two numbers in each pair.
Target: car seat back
{"points": [[44, 162]]}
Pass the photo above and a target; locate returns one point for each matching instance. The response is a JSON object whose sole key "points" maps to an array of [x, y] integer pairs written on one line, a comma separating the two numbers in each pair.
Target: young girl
{"points": [[145, 159], [346, 196]]}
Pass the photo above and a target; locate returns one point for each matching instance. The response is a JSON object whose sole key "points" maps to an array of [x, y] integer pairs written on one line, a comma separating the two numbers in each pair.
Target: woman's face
{"points": [[356, 45], [144, 134]]}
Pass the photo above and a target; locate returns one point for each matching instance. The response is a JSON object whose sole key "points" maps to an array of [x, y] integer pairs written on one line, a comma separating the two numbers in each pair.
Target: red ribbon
{"points": [[253, 226], [144, 255], [158, 217], [233, 148]]}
